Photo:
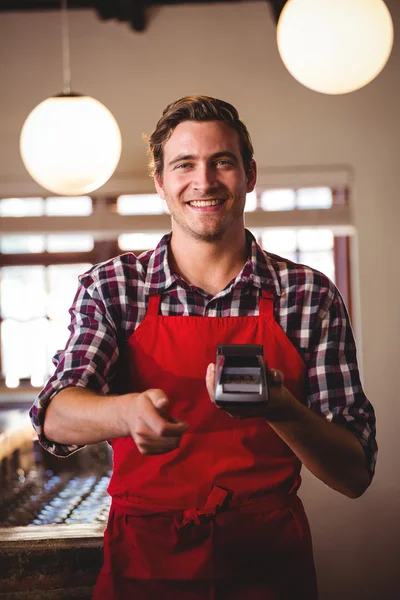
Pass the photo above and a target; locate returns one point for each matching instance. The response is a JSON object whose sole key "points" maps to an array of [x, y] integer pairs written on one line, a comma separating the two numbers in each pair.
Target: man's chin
{"points": [[207, 231], [208, 236]]}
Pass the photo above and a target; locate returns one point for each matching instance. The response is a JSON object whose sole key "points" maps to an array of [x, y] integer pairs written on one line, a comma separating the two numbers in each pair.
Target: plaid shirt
{"points": [[111, 302]]}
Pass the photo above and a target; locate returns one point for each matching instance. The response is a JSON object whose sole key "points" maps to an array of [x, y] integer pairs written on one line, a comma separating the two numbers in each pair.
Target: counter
{"points": [[49, 561]]}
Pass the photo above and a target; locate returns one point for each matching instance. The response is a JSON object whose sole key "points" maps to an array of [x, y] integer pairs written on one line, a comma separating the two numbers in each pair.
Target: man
{"points": [[204, 503]]}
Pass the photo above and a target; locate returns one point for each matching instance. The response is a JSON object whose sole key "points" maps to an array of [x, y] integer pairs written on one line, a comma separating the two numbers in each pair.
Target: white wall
{"points": [[229, 51]]}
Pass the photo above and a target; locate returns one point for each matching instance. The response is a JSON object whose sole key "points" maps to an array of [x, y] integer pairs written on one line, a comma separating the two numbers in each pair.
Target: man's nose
{"points": [[205, 178]]}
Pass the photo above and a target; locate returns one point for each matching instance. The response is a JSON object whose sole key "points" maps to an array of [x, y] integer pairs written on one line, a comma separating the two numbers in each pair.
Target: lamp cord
{"points": [[65, 49]]}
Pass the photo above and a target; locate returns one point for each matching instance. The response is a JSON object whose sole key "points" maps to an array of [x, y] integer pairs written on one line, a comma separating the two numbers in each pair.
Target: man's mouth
{"points": [[205, 203]]}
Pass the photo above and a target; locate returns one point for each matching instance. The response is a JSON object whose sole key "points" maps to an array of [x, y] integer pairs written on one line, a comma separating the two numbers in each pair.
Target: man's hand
{"points": [[272, 410], [150, 425]]}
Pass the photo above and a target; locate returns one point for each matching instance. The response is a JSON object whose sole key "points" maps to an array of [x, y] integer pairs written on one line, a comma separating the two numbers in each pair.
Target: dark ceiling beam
{"points": [[41, 5], [105, 6], [131, 11], [277, 7], [138, 17], [134, 11]]}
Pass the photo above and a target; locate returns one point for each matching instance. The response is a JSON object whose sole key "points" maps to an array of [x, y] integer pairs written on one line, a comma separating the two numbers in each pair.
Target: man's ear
{"points": [[251, 176], [159, 186]]}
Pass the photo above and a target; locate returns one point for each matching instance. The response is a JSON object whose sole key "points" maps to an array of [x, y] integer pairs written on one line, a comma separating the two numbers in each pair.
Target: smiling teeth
{"points": [[200, 203]]}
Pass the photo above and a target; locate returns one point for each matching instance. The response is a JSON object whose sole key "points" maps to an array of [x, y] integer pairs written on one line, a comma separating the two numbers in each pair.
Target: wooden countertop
{"points": [[50, 562], [49, 536]]}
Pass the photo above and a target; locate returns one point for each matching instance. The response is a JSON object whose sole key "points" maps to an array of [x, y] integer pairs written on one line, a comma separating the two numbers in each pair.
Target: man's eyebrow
{"points": [[222, 154], [225, 154], [182, 157]]}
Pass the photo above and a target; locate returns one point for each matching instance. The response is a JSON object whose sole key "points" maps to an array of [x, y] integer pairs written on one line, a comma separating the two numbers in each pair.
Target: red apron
{"points": [[218, 517]]}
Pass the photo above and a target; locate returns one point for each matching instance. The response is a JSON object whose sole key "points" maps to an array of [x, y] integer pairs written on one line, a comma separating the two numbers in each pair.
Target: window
{"points": [[314, 247], [34, 318], [47, 242]]}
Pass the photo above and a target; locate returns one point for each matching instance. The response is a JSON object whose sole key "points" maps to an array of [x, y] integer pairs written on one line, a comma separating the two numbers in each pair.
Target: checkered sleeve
{"points": [[334, 386], [88, 358]]}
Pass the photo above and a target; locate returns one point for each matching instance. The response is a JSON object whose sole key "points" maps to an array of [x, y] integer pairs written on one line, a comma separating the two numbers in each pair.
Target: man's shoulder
{"points": [[300, 278], [124, 267]]}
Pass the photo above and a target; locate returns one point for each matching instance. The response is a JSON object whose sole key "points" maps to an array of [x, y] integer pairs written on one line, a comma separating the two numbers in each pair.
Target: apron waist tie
{"points": [[218, 500], [221, 500], [215, 503]]}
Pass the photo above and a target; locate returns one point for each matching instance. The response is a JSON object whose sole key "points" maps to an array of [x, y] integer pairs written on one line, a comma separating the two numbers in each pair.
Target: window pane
{"points": [[251, 202], [79, 206], [322, 261], [280, 241], [278, 200], [11, 340], [23, 292], [315, 239], [39, 379], [314, 198], [24, 348], [63, 284], [36, 346], [138, 241], [69, 243], [21, 207], [22, 244], [58, 334], [141, 204]]}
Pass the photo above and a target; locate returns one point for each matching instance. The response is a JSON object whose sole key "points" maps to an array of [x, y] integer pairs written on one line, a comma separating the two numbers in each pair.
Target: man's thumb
{"points": [[158, 398]]}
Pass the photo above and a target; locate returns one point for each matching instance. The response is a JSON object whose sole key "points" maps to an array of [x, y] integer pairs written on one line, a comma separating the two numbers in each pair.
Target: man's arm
{"points": [[75, 407], [78, 416], [86, 363], [329, 451], [334, 436]]}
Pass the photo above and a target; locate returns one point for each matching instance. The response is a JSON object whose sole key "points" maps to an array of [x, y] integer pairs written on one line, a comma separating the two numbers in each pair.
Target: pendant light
{"points": [[70, 143], [335, 46]]}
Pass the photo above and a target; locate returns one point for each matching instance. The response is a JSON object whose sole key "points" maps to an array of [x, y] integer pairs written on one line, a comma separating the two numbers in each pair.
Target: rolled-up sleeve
{"points": [[334, 386], [87, 361]]}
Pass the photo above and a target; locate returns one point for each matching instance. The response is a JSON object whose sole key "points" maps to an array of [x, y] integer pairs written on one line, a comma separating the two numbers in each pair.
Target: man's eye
{"points": [[224, 162], [183, 165]]}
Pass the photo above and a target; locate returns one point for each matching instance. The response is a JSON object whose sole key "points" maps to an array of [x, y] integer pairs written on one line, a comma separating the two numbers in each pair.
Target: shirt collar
{"points": [[259, 268], [257, 271]]}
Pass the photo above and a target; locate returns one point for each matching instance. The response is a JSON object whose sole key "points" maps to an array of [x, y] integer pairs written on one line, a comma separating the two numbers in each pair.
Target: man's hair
{"points": [[195, 108]]}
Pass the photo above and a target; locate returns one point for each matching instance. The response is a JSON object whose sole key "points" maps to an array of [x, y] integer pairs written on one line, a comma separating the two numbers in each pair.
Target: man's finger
{"points": [[162, 427], [275, 378], [210, 381], [147, 444]]}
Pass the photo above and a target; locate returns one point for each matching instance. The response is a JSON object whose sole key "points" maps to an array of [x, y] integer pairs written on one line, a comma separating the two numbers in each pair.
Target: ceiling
{"points": [[134, 12]]}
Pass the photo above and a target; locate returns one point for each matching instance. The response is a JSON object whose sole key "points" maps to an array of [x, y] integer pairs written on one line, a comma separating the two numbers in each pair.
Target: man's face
{"points": [[204, 182]]}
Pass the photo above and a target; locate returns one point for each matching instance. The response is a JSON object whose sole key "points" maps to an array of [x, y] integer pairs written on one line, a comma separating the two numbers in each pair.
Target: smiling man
{"points": [[204, 503], [204, 181]]}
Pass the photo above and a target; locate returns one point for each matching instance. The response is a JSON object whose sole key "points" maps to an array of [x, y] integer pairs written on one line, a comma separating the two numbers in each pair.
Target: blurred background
{"points": [[327, 196]]}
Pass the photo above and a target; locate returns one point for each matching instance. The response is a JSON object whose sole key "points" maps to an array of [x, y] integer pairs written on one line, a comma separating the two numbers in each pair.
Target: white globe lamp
{"points": [[70, 144], [335, 46]]}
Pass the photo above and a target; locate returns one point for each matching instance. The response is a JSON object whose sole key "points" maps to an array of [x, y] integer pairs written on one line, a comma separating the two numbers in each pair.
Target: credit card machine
{"points": [[241, 376]]}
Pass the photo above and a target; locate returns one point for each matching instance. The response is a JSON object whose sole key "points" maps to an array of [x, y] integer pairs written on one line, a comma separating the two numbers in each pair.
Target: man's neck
{"points": [[207, 265]]}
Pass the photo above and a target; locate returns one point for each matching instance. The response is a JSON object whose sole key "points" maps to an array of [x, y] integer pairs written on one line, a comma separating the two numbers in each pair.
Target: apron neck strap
{"points": [[153, 306], [266, 305]]}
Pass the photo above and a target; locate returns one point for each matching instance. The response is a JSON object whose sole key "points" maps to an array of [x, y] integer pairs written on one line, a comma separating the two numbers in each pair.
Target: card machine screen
{"points": [[241, 375]]}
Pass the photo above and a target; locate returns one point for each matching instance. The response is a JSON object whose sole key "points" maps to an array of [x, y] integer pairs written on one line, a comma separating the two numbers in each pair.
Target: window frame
{"points": [[106, 224]]}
